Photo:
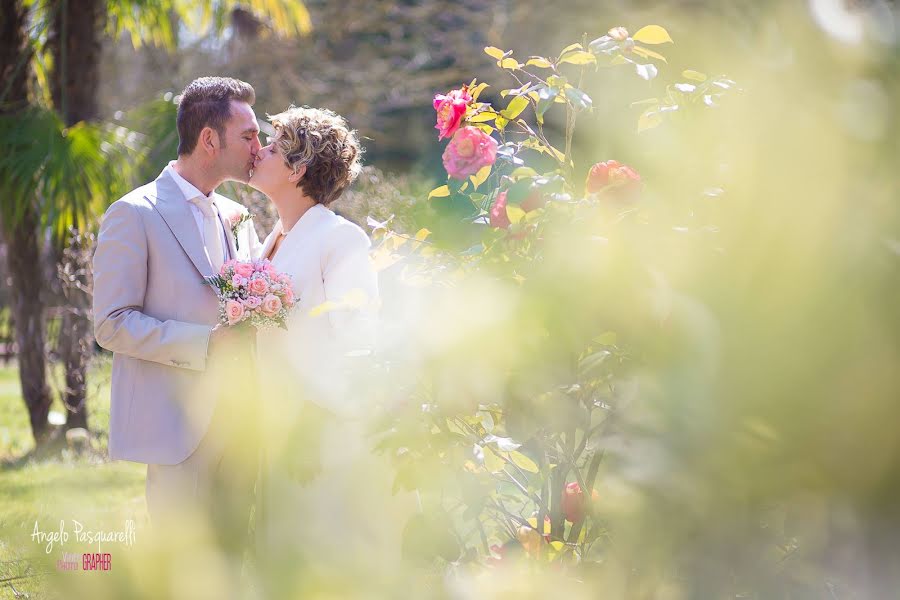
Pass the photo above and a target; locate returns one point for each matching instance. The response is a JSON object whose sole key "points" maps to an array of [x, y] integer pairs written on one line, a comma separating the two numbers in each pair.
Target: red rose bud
{"points": [[613, 178], [499, 218], [573, 502], [451, 108]]}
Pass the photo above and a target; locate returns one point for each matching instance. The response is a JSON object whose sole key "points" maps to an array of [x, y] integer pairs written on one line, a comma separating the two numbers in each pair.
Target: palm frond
{"points": [[145, 21], [69, 174], [150, 21]]}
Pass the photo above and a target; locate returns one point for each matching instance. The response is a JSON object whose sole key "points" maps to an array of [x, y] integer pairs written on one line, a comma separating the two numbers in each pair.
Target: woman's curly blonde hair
{"points": [[320, 140]]}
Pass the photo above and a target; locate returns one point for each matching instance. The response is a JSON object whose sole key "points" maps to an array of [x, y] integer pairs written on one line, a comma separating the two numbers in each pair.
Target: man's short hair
{"points": [[206, 102]]}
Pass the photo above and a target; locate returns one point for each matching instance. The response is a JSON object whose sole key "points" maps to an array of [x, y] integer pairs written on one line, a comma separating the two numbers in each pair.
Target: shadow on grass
{"points": [[53, 448]]}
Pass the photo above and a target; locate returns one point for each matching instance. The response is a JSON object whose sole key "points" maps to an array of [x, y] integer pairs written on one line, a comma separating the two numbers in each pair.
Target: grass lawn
{"points": [[98, 494]]}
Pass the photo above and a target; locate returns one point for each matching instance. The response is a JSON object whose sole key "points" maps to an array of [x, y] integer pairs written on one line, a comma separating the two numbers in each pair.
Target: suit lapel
{"points": [[171, 205]]}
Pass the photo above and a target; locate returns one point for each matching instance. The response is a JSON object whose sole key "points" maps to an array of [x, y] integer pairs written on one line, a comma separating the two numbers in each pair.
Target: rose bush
{"points": [[505, 431]]}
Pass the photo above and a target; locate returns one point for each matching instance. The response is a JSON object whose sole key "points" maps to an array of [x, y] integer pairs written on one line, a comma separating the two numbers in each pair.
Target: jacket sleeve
{"points": [[120, 284]]}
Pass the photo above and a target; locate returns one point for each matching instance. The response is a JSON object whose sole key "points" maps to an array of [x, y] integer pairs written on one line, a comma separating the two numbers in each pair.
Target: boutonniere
{"points": [[237, 219]]}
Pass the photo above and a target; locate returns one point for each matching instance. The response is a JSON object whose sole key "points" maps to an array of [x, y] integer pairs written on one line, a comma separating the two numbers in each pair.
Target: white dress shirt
{"points": [[190, 191]]}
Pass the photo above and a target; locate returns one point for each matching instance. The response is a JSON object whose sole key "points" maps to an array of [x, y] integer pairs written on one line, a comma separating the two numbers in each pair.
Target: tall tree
{"points": [[20, 221], [74, 37]]}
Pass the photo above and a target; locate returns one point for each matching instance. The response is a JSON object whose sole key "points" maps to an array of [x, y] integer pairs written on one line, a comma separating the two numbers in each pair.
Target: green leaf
{"points": [[476, 91], [523, 462], [439, 192], [647, 71], [514, 213], [493, 52], [547, 96], [487, 420], [579, 58], [570, 48], [521, 172], [509, 63], [647, 53], [503, 444], [515, 107], [603, 45], [649, 119], [492, 461], [693, 75], [482, 117], [578, 98], [480, 177], [652, 34], [539, 62]]}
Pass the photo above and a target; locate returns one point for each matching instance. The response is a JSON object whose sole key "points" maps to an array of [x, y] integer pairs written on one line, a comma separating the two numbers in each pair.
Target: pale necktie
{"points": [[211, 238]]}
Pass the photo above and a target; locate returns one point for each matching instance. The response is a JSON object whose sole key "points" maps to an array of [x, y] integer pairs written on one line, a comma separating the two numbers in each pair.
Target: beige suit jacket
{"points": [[153, 310]]}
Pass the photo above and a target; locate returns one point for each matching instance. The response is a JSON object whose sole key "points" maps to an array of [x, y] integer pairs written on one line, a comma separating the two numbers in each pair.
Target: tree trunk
{"points": [[23, 258], [74, 39], [76, 340], [23, 242]]}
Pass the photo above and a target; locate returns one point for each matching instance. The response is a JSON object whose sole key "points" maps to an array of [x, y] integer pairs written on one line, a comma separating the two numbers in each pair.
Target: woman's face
{"points": [[270, 172]]}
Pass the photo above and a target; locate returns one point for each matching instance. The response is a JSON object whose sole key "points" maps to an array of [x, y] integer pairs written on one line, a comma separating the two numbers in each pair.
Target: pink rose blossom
{"points": [[234, 310], [270, 305], [235, 218], [252, 302], [237, 280], [243, 269], [469, 151], [258, 286], [450, 111], [288, 296]]}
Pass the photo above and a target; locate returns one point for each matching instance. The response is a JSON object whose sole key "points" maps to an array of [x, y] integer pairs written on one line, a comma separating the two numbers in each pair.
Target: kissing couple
{"points": [[234, 422]]}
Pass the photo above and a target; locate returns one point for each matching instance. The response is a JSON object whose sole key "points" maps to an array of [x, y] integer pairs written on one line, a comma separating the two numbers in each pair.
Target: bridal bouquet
{"points": [[253, 292]]}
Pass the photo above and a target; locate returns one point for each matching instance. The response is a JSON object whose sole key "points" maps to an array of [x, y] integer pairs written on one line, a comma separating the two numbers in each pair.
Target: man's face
{"points": [[241, 143]]}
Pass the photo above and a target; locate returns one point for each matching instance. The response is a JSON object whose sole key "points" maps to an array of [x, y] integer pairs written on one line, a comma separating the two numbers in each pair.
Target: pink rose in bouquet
{"points": [[469, 151], [244, 269], [451, 108], [253, 292], [258, 286], [271, 304], [234, 311]]}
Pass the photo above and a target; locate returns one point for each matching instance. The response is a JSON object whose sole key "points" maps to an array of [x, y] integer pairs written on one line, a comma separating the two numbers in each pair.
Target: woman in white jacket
{"points": [[327, 502]]}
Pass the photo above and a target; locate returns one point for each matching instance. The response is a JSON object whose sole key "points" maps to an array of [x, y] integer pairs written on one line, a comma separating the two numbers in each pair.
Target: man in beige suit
{"points": [[179, 399]]}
